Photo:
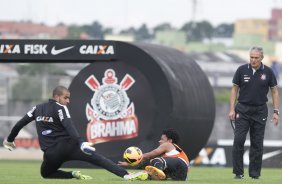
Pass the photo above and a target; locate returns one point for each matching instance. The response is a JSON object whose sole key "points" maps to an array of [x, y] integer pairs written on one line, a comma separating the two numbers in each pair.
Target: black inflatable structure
{"points": [[170, 90], [129, 92]]}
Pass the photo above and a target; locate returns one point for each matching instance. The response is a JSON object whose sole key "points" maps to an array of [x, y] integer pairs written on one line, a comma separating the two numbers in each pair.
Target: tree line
{"points": [[195, 31]]}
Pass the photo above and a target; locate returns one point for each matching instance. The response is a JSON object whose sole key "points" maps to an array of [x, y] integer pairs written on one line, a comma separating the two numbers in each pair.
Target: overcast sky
{"points": [[120, 14]]}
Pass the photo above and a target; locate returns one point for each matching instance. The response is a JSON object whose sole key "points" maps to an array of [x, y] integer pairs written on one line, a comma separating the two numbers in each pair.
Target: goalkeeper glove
{"points": [[9, 145], [87, 148]]}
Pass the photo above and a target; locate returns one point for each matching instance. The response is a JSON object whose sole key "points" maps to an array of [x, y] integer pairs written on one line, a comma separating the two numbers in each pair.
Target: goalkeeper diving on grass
{"points": [[60, 141]]}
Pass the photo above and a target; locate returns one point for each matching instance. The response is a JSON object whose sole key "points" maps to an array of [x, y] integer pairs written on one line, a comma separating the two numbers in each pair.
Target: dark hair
{"points": [[59, 90], [171, 134]]}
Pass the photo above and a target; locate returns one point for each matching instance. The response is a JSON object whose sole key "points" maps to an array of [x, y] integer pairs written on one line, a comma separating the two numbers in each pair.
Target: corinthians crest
{"points": [[110, 114]]}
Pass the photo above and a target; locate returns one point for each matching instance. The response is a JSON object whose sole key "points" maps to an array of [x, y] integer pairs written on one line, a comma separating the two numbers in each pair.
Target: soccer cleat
{"points": [[239, 176], [78, 175], [155, 173], [136, 176]]}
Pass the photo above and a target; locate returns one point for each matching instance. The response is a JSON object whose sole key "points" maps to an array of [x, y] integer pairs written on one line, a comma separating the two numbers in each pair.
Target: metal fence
{"points": [[18, 94]]}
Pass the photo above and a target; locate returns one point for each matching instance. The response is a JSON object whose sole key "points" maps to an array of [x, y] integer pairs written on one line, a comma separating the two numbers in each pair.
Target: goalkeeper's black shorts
{"points": [[67, 150]]}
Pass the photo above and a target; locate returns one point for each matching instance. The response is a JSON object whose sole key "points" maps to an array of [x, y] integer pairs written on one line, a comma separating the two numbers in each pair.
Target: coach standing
{"points": [[250, 113]]}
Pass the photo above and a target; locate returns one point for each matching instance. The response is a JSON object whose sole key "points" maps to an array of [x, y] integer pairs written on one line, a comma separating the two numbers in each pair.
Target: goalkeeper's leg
{"points": [[99, 160], [54, 157], [50, 169], [52, 172]]}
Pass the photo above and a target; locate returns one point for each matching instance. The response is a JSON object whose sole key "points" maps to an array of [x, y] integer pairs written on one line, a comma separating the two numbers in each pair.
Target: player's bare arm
{"points": [[163, 148]]}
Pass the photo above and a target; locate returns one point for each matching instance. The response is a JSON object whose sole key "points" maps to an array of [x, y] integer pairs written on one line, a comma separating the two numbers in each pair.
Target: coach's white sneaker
{"points": [[136, 176]]}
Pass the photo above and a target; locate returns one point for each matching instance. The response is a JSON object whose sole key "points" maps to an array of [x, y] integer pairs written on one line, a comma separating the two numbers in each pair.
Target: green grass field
{"points": [[27, 172]]}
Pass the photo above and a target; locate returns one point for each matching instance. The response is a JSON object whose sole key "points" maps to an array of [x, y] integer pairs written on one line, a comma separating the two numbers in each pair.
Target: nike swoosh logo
{"points": [[271, 154], [55, 51]]}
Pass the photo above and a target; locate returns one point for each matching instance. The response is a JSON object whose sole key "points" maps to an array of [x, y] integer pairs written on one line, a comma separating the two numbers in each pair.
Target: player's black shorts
{"points": [[176, 169]]}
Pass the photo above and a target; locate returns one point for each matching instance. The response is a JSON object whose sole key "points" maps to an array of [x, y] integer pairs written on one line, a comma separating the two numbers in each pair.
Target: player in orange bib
{"points": [[168, 161]]}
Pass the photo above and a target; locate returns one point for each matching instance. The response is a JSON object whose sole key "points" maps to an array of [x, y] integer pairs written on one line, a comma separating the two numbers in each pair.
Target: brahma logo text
{"points": [[110, 113]]}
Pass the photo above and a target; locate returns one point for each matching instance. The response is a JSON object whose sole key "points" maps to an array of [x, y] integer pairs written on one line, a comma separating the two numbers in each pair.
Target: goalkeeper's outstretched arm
{"points": [[9, 141]]}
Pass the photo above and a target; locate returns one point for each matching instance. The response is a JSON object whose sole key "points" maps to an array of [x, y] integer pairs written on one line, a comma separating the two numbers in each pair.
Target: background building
{"points": [[26, 30]]}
